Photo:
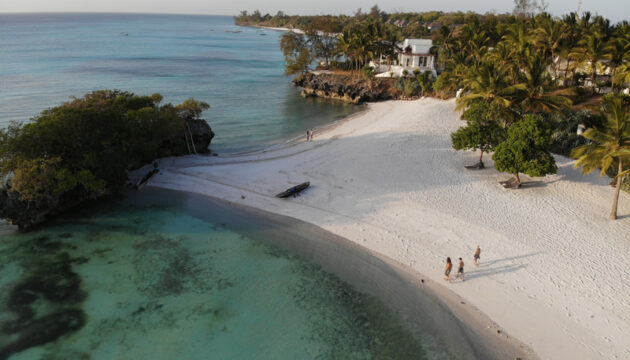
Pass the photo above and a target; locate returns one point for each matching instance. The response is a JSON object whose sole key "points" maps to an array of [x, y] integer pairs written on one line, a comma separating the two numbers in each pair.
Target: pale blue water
{"points": [[163, 275], [46, 58]]}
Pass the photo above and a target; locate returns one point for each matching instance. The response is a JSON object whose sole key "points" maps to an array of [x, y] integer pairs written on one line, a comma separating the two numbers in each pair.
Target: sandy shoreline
{"points": [[297, 31], [553, 265]]}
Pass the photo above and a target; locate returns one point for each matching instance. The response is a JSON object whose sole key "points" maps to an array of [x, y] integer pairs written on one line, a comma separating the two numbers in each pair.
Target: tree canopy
{"points": [[483, 131], [85, 146], [526, 149]]}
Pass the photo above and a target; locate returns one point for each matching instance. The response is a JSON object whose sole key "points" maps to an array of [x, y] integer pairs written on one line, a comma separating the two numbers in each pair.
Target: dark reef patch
{"points": [[52, 286], [166, 267]]}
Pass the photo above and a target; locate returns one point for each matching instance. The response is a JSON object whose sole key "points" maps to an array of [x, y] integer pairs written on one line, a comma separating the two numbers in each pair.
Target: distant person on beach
{"points": [[477, 254], [308, 135], [311, 134], [447, 269], [460, 271]]}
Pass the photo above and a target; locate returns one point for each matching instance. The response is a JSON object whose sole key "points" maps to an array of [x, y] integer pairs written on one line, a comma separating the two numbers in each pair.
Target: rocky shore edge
{"points": [[346, 89]]}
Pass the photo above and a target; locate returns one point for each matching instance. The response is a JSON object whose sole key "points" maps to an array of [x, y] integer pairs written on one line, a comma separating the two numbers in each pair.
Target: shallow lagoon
{"points": [[165, 275]]}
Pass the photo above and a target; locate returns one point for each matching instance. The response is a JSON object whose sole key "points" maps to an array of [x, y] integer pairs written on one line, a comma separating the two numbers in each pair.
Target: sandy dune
{"points": [[553, 271]]}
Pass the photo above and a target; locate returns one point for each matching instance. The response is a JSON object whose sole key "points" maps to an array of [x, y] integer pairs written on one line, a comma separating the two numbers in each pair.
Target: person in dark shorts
{"points": [[460, 270], [476, 256], [447, 269]]}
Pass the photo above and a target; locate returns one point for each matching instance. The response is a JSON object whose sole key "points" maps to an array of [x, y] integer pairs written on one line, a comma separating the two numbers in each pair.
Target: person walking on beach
{"points": [[447, 269], [476, 256], [308, 135], [311, 134], [460, 271]]}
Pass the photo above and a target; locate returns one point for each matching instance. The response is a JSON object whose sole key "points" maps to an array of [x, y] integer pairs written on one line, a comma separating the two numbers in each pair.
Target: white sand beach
{"points": [[553, 270]]}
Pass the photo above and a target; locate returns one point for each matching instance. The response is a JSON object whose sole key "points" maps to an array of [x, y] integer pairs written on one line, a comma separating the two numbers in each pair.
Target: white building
{"points": [[413, 54]]}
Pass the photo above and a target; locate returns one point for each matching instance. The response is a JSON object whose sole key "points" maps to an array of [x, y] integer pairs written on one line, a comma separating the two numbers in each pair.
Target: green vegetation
{"points": [[526, 150], [297, 54], [611, 145], [483, 130], [83, 148], [540, 75]]}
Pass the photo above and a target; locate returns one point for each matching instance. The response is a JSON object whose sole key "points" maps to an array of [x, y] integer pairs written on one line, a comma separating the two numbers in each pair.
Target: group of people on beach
{"points": [[460, 270], [309, 135]]}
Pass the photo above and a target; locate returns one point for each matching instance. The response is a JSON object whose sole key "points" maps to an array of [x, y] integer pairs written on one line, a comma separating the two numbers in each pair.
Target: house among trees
{"points": [[412, 55], [434, 26]]}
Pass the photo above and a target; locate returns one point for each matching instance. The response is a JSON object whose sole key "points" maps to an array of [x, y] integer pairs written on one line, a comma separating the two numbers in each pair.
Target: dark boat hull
{"points": [[294, 190]]}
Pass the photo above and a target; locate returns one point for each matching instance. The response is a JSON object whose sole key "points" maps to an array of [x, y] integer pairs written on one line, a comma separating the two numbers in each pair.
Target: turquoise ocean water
{"points": [[159, 275], [162, 275], [47, 58]]}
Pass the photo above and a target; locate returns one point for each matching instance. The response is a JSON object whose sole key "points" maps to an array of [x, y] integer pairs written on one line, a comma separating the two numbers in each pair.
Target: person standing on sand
{"points": [[460, 271], [308, 135], [311, 134], [476, 256], [447, 269]]}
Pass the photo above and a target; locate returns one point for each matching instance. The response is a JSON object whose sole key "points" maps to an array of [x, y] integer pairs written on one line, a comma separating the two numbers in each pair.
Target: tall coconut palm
{"points": [[622, 76], [502, 55], [549, 37], [488, 82], [517, 39], [591, 49], [530, 93], [611, 144], [571, 26], [346, 46], [477, 46], [617, 50]]}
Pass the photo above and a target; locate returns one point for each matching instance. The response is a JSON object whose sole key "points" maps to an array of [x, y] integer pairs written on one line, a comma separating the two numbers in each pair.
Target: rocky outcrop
{"points": [[202, 136], [343, 88]]}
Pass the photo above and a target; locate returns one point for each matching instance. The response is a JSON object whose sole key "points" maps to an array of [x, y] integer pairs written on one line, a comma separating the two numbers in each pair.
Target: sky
{"points": [[615, 10]]}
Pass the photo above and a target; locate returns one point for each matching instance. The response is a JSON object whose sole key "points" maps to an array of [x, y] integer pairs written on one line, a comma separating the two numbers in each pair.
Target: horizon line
{"points": [[107, 12]]}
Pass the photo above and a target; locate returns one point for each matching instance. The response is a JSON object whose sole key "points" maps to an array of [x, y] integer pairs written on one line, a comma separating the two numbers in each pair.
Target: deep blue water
{"points": [[47, 58]]}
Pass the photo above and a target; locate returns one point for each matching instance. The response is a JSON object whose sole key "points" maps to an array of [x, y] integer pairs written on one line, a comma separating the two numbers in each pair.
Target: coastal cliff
{"points": [[345, 89]]}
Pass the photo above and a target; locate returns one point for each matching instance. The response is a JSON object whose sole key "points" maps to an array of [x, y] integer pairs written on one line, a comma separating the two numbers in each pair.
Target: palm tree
{"points": [[570, 23], [617, 50], [591, 49], [622, 75], [530, 93], [346, 46], [549, 37], [611, 144], [487, 82], [477, 46], [517, 39], [502, 55]]}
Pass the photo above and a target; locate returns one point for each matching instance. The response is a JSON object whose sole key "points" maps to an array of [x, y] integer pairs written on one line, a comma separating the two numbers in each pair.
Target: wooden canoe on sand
{"points": [[293, 190]]}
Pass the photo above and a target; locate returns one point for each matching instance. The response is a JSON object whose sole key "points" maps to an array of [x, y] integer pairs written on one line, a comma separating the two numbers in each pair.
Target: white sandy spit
{"points": [[554, 271], [297, 31]]}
